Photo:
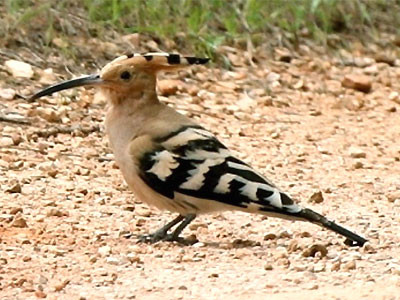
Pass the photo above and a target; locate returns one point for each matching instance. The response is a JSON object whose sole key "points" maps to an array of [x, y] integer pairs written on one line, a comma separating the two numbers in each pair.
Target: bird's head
{"points": [[128, 75]]}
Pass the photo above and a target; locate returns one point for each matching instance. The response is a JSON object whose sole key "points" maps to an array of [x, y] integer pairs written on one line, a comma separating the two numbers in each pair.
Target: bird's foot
{"points": [[167, 237]]}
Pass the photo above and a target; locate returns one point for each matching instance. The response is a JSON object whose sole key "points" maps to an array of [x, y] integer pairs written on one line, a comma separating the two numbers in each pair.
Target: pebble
{"points": [[357, 82], [104, 251], [317, 197], [385, 58], [293, 246], [7, 94], [169, 87], [54, 212], [182, 287], [133, 258], [314, 249], [47, 76], [358, 165], [357, 153], [284, 234], [114, 261], [350, 265], [268, 267], [19, 68], [393, 196], [19, 222], [60, 286], [394, 96], [49, 114], [6, 141], [40, 294], [15, 210], [270, 236]]}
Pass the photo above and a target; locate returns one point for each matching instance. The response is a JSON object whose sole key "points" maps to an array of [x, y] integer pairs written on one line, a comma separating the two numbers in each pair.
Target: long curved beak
{"points": [[81, 81]]}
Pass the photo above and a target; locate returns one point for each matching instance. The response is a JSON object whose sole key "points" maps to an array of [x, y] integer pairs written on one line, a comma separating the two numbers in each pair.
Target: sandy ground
{"points": [[65, 209]]}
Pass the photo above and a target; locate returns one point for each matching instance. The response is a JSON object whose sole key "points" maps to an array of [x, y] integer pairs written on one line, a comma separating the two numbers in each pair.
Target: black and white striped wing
{"points": [[193, 163]]}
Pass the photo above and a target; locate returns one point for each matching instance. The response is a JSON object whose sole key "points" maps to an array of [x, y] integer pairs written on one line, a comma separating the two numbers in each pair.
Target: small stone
{"points": [[182, 287], [40, 294], [169, 87], [52, 173], [19, 68], [7, 94], [394, 96], [363, 62], [314, 249], [285, 234], [312, 286], [6, 141], [268, 267], [113, 261], [273, 77], [357, 153], [17, 138], [3, 261], [93, 259], [293, 246], [54, 212], [270, 236], [61, 285], [15, 210], [49, 114], [386, 58], [335, 267], [47, 76], [104, 251], [26, 258], [358, 165], [318, 268], [368, 248], [317, 197], [133, 257], [143, 212], [14, 188], [393, 196], [350, 265], [357, 82]]}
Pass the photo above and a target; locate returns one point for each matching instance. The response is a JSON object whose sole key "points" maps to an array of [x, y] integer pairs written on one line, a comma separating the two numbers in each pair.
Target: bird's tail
{"points": [[311, 216]]}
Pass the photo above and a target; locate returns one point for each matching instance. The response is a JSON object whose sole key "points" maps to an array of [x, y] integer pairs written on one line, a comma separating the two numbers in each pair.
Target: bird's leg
{"points": [[161, 233], [174, 236]]}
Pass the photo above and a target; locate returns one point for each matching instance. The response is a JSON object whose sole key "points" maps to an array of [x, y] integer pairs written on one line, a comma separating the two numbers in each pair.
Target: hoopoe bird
{"points": [[172, 163]]}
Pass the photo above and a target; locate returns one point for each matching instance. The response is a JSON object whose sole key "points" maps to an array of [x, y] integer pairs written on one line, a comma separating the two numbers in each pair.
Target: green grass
{"points": [[202, 26]]}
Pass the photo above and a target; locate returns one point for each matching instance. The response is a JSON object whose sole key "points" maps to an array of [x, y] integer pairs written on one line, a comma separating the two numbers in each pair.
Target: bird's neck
{"points": [[127, 115]]}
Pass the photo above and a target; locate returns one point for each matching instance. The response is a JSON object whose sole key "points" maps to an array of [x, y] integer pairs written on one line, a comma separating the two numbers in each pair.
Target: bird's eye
{"points": [[125, 75]]}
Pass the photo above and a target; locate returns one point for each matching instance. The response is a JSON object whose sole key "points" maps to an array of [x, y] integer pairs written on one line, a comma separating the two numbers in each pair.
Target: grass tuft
{"points": [[201, 26]]}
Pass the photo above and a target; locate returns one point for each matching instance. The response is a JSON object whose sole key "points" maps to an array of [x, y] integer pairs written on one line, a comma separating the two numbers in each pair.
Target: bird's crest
{"points": [[156, 61]]}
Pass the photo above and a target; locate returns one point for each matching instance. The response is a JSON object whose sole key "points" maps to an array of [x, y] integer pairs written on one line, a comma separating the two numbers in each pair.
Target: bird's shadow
{"points": [[187, 242]]}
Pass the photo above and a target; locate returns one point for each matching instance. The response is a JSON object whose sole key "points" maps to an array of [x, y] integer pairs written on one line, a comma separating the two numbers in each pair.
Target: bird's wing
{"points": [[193, 163]]}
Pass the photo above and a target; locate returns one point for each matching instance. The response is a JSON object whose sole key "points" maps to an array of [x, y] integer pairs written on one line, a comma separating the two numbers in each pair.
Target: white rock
{"points": [[19, 68], [104, 250], [6, 141], [114, 261], [271, 77], [47, 76], [7, 94], [357, 153]]}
